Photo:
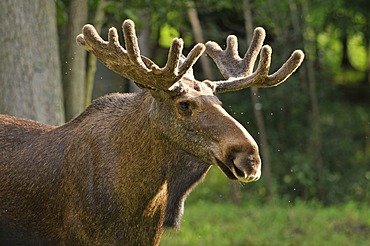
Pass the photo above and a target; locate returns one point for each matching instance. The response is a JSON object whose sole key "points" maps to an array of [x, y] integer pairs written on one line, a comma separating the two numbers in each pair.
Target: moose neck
{"points": [[151, 176], [162, 174]]}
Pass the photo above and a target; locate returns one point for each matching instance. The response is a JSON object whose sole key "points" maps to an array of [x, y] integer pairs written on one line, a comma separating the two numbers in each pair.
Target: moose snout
{"points": [[245, 165], [237, 155]]}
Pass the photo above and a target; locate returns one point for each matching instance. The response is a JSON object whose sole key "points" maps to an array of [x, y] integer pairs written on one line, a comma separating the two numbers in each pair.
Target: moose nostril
{"points": [[239, 163], [239, 172]]}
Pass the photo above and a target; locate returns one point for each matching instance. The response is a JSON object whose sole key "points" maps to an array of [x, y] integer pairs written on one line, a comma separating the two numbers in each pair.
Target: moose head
{"points": [[188, 112]]}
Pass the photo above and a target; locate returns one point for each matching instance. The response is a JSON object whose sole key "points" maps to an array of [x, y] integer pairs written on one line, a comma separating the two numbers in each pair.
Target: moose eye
{"points": [[184, 108]]}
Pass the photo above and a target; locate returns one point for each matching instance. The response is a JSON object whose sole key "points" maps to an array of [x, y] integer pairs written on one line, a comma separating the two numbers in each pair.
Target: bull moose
{"points": [[118, 174]]}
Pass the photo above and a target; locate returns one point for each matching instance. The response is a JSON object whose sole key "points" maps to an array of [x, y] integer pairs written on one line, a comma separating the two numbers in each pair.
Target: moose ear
{"points": [[176, 90], [189, 74]]}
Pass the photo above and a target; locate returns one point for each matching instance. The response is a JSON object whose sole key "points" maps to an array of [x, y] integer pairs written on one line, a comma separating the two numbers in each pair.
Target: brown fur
{"points": [[119, 173]]}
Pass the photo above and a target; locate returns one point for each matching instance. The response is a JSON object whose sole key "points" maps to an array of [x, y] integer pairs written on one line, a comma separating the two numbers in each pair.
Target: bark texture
{"points": [[30, 81], [75, 65]]}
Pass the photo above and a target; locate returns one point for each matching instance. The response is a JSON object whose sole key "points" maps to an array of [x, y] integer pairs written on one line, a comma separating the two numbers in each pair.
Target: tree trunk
{"points": [[297, 30], [30, 80], [74, 66], [91, 61], [345, 62], [258, 111], [315, 141], [198, 35]]}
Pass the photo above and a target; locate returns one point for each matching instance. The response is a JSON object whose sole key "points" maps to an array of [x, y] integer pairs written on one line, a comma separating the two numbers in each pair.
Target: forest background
{"points": [[313, 130]]}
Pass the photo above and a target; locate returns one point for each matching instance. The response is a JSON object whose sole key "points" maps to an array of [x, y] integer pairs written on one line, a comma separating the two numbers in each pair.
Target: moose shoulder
{"points": [[119, 173]]}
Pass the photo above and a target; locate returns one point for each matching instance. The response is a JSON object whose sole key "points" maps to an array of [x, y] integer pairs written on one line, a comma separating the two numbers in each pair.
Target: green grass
{"points": [[218, 224]]}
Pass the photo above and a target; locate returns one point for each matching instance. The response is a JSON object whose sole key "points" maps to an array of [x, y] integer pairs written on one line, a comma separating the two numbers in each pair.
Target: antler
{"points": [[238, 71], [130, 64]]}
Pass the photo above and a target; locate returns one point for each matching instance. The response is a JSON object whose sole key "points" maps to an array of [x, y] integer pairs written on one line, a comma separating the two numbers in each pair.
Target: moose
{"points": [[119, 173]]}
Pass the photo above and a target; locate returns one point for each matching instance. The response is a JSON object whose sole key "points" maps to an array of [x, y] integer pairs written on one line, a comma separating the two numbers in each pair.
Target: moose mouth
{"points": [[234, 173], [226, 170]]}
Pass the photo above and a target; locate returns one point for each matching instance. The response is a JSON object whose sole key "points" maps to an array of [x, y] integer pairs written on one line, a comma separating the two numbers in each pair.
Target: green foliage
{"points": [[282, 223], [346, 157], [62, 16], [167, 34]]}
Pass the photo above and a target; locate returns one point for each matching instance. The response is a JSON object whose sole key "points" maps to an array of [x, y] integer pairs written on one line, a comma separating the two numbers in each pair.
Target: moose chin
{"points": [[119, 173]]}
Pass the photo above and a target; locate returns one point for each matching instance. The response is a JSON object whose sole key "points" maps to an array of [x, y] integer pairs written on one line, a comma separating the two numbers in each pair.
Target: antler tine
{"points": [[130, 64], [132, 46], [254, 48], [238, 72], [229, 62]]}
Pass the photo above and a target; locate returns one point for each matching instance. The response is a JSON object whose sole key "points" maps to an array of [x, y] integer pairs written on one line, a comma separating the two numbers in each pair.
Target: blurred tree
{"points": [[74, 66], [315, 145], [30, 80], [199, 38], [91, 61]]}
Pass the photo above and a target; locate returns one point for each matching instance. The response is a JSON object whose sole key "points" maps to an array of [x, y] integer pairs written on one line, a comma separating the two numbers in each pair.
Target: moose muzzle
{"points": [[246, 167], [238, 154], [241, 162]]}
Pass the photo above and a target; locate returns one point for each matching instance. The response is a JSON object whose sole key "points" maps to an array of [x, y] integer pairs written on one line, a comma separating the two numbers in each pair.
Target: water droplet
{"points": [[258, 106]]}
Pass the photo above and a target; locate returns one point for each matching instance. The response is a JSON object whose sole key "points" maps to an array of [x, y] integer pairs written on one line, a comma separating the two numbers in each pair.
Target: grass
{"points": [[224, 224]]}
